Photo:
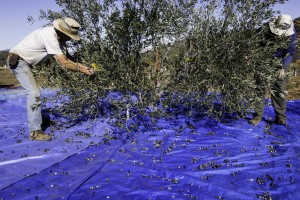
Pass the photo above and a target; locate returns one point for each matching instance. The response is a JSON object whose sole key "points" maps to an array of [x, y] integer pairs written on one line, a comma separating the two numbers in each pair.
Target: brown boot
{"points": [[280, 120], [255, 120], [39, 135]]}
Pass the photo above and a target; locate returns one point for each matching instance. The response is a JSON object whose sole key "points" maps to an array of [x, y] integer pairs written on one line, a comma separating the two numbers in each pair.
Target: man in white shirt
{"points": [[34, 49]]}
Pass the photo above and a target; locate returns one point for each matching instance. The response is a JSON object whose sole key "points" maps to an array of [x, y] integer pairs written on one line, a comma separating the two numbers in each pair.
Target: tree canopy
{"points": [[158, 54]]}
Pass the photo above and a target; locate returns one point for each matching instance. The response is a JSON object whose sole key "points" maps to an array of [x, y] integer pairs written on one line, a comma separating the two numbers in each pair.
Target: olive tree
{"points": [[225, 60], [204, 54]]}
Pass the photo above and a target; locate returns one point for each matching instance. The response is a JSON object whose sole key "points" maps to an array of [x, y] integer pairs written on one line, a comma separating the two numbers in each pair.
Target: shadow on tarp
{"points": [[181, 159]]}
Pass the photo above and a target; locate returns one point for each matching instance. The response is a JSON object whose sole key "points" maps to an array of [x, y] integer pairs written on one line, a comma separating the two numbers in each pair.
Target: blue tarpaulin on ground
{"points": [[187, 157]]}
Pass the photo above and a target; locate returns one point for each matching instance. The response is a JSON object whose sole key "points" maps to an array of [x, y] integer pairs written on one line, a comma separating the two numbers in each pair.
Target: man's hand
{"points": [[87, 70], [67, 63]]}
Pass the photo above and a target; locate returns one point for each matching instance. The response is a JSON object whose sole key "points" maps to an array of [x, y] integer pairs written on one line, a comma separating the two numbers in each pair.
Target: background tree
{"points": [[3, 57]]}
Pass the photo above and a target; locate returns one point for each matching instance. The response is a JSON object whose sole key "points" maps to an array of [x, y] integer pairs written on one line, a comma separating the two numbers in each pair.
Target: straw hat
{"points": [[68, 26], [282, 25]]}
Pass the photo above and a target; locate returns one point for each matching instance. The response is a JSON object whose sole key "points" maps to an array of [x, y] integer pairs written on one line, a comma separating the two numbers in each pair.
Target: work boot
{"points": [[39, 135], [255, 120], [280, 120]]}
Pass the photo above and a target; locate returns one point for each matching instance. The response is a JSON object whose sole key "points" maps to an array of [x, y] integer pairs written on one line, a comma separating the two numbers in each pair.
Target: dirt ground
{"points": [[293, 84], [294, 88], [7, 80]]}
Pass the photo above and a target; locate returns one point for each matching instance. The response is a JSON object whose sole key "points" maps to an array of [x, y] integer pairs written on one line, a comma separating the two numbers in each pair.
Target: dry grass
{"points": [[293, 84], [7, 79]]}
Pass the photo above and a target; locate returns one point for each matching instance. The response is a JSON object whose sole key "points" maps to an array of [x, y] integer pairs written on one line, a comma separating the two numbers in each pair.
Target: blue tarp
{"points": [[187, 157]]}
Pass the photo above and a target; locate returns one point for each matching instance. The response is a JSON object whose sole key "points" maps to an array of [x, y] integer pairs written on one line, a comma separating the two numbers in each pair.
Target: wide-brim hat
{"points": [[68, 26], [282, 25]]}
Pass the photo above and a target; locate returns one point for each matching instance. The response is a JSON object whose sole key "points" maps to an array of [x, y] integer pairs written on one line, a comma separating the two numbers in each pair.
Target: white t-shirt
{"points": [[38, 46]]}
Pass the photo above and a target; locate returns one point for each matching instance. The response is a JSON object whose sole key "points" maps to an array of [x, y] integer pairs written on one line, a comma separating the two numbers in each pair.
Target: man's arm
{"points": [[290, 51], [67, 63]]}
